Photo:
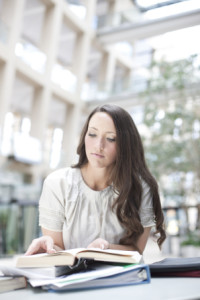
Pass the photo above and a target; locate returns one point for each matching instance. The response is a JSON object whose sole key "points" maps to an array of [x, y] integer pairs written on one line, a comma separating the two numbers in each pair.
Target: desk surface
{"points": [[158, 289]]}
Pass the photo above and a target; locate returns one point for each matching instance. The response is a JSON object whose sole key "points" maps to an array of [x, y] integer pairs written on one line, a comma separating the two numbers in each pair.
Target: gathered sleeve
{"points": [[51, 204], [147, 216]]}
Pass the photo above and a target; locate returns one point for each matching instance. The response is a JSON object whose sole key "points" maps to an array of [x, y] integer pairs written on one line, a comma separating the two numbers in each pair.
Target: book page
{"points": [[110, 251], [112, 255], [71, 251]]}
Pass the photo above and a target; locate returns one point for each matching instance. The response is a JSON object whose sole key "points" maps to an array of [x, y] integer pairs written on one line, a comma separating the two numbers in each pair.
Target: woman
{"points": [[109, 199]]}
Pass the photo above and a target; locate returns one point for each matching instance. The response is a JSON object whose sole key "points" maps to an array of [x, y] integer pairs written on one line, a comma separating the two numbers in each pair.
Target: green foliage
{"points": [[177, 75], [169, 147], [10, 239], [172, 139], [193, 239], [3, 219]]}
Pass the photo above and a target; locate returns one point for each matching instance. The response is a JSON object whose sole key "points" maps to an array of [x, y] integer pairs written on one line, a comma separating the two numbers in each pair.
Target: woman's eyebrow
{"points": [[91, 127]]}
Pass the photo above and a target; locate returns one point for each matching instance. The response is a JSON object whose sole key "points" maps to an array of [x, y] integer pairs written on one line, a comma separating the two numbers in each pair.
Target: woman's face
{"points": [[100, 141]]}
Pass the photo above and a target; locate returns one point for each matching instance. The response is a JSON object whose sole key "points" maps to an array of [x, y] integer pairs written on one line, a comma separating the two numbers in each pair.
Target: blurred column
{"points": [[70, 141], [83, 43], [90, 14], [49, 41], [113, 17], [39, 113], [82, 49], [107, 72], [12, 12]]}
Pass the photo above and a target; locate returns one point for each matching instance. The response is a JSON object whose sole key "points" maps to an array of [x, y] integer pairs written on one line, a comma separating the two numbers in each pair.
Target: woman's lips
{"points": [[97, 155]]}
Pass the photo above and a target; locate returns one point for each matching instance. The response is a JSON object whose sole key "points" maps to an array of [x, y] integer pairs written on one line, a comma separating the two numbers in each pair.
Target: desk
{"points": [[158, 289]]}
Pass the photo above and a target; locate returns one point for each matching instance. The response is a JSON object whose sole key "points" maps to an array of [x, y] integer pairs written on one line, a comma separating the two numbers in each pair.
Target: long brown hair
{"points": [[130, 167]]}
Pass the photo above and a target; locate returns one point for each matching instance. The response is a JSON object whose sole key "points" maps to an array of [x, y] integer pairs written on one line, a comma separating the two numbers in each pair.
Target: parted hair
{"points": [[129, 170]]}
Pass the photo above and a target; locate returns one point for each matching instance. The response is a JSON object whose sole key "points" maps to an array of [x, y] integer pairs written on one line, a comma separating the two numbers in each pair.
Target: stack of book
{"points": [[81, 268]]}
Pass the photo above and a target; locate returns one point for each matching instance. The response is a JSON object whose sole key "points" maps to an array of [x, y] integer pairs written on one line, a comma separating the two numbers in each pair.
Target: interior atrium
{"points": [[61, 58]]}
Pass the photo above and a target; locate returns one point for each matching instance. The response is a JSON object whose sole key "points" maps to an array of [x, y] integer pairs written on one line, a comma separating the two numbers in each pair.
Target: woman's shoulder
{"points": [[62, 174]]}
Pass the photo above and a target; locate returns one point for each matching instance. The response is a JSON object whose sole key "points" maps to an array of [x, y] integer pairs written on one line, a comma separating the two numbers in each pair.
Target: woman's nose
{"points": [[100, 144]]}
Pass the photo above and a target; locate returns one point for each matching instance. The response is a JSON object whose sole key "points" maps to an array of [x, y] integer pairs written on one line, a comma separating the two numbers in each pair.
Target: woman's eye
{"points": [[111, 140], [91, 134]]}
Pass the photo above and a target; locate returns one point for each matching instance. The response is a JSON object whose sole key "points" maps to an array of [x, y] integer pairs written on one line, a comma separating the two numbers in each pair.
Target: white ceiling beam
{"points": [[149, 28]]}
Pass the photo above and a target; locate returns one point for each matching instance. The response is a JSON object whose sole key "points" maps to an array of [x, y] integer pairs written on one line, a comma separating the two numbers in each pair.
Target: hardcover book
{"points": [[176, 267], [10, 283]]}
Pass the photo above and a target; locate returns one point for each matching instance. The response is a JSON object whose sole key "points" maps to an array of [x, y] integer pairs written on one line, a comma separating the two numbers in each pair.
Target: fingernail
{"points": [[52, 250]]}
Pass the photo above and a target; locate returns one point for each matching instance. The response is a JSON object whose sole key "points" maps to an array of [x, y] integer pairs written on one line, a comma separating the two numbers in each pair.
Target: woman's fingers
{"points": [[41, 245], [33, 248], [48, 244], [99, 243]]}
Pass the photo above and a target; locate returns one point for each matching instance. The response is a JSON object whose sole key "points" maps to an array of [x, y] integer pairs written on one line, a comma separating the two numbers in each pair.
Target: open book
{"points": [[72, 256]]}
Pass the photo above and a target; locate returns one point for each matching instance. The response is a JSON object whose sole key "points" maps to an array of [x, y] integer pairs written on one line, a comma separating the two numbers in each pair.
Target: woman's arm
{"points": [[50, 242], [57, 238], [142, 241]]}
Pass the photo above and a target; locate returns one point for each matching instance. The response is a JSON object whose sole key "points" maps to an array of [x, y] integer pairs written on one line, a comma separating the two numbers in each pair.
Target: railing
{"points": [[18, 226], [119, 18], [95, 91], [149, 79], [127, 88]]}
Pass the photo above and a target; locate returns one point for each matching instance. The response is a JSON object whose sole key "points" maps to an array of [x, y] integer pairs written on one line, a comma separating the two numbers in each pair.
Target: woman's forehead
{"points": [[102, 121]]}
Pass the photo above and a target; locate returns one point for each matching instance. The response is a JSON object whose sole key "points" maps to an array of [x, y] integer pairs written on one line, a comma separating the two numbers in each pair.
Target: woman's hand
{"points": [[99, 243], [44, 244]]}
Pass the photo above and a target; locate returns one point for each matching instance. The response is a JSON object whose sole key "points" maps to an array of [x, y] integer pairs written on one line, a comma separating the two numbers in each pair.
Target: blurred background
{"points": [[60, 59]]}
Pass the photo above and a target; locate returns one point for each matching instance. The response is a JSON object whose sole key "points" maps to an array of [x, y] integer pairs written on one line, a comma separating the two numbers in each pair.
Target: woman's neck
{"points": [[96, 178]]}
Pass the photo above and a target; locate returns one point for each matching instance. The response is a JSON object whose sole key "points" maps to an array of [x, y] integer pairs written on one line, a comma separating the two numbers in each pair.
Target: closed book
{"points": [[10, 283], [176, 267]]}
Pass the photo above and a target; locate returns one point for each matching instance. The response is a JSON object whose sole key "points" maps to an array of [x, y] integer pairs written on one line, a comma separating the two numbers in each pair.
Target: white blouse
{"points": [[69, 206]]}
